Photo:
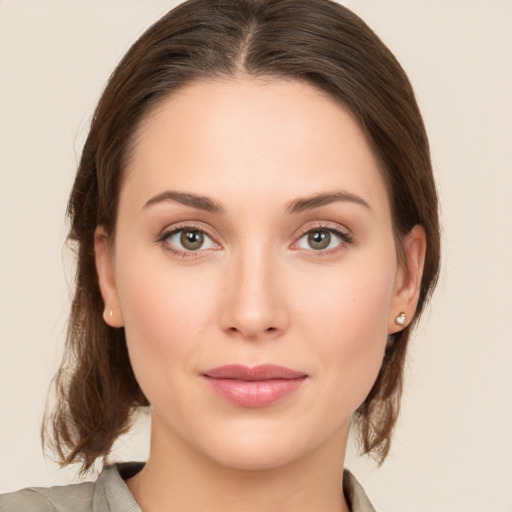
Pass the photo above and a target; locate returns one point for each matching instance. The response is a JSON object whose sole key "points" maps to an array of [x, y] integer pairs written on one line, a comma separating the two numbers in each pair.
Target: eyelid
{"points": [[184, 226], [337, 229], [326, 225]]}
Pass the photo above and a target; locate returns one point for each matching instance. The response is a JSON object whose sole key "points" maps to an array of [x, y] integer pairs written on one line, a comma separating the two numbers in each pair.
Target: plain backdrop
{"points": [[453, 446]]}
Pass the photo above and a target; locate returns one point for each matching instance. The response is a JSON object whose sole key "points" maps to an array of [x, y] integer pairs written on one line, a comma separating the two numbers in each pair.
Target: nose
{"points": [[254, 305]]}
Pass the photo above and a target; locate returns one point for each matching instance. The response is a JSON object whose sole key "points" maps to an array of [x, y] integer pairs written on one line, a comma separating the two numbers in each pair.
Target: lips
{"points": [[259, 386]]}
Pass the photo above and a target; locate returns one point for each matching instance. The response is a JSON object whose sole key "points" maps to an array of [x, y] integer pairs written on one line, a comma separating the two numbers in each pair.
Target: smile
{"points": [[259, 386]]}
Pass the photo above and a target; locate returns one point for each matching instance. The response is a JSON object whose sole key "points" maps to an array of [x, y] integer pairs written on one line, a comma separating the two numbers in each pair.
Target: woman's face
{"points": [[254, 228]]}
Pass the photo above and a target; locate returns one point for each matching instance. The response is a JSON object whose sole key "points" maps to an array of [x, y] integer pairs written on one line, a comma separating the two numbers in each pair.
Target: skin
{"points": [[260, 290]]}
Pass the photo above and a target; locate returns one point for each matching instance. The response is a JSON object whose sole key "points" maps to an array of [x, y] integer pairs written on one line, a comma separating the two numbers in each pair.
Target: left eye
{"points": [[189, 240], [320, 239]]}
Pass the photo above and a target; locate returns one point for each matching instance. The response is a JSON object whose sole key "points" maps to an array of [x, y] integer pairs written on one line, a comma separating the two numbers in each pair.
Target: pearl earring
{"points": [[400, 319]]}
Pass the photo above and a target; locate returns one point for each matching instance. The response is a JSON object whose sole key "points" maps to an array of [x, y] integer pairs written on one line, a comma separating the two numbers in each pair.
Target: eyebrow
{"points": [[296, 206], [322, 199], [187, 199]]}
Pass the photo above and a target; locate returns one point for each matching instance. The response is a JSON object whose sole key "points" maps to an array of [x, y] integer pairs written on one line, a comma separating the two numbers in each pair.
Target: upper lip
{"points": [[260, 372]]}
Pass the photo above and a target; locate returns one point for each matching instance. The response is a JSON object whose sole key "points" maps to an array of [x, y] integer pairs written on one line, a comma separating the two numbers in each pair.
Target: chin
{"points": [[265, 447], [256, 457]]}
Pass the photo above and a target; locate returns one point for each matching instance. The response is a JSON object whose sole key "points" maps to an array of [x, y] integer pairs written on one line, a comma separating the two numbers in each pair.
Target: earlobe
{"points": [[104, 260], [408, 280]]}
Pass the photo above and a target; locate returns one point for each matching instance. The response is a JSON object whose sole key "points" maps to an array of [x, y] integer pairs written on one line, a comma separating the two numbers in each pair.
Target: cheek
{"points": [[346, 320], [350, 301], [165, 313]]}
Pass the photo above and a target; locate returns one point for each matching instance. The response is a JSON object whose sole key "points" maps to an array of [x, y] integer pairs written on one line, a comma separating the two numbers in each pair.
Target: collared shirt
{"points": [[109, 493]]}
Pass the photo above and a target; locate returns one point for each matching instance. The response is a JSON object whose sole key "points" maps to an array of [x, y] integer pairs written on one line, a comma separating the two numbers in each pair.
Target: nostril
{"points": [[268, 330]]}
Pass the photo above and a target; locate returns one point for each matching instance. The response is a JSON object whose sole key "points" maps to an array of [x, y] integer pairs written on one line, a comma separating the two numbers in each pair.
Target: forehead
{"points": [[266, 139]]}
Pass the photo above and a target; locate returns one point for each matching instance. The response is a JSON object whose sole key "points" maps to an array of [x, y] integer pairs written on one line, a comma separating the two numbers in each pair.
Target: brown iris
{"points": [[192, 240], [319, 240]]}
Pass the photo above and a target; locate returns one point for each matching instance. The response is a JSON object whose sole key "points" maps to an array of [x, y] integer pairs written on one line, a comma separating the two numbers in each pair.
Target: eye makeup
{"points": [[191, 240]]}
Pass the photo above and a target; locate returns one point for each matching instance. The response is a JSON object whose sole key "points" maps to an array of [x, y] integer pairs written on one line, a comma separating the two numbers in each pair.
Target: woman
{"points": [[256, 226]]}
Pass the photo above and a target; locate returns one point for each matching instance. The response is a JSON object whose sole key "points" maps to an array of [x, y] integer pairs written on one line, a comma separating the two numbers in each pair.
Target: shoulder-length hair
{"points": [[317, 42]]}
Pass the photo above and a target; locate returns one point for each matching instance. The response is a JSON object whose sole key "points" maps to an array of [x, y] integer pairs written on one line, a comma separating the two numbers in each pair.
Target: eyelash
{"points": [[345, 239], [344, 236], [177, 229]]}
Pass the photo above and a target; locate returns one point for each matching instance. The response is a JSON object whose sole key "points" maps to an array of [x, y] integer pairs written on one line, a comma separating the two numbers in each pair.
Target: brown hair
{"points": [[315, 41]]}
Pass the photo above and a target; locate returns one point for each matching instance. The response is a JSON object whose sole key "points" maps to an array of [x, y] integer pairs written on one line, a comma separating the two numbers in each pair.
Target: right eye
{"points": [[188, 239]]}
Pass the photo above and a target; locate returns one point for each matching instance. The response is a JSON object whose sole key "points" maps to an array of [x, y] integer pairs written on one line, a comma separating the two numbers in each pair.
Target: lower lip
{"points": [[255, 393]]}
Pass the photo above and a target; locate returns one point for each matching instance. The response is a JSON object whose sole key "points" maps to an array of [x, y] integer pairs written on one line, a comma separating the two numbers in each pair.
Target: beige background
{"points": [[453, 447]]}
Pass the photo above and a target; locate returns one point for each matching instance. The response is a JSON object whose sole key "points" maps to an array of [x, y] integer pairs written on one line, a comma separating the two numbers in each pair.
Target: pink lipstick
{"points": [[259, 386]]}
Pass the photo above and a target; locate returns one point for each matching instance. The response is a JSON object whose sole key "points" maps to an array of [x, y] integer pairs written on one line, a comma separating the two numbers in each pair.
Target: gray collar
{"points": [[111, 488]]}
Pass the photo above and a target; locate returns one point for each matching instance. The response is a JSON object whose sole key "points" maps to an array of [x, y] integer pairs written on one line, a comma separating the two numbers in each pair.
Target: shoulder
{"points": [[51, 499], [354, 493], [107, 494]]}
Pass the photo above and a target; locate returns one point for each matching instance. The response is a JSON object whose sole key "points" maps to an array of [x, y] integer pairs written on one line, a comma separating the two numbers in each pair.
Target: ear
{"points": [[104, 258], [408, 279]]}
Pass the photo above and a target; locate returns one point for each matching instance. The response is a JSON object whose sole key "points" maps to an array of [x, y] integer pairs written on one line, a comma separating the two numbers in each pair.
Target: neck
{"points": [[176, 477]]}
